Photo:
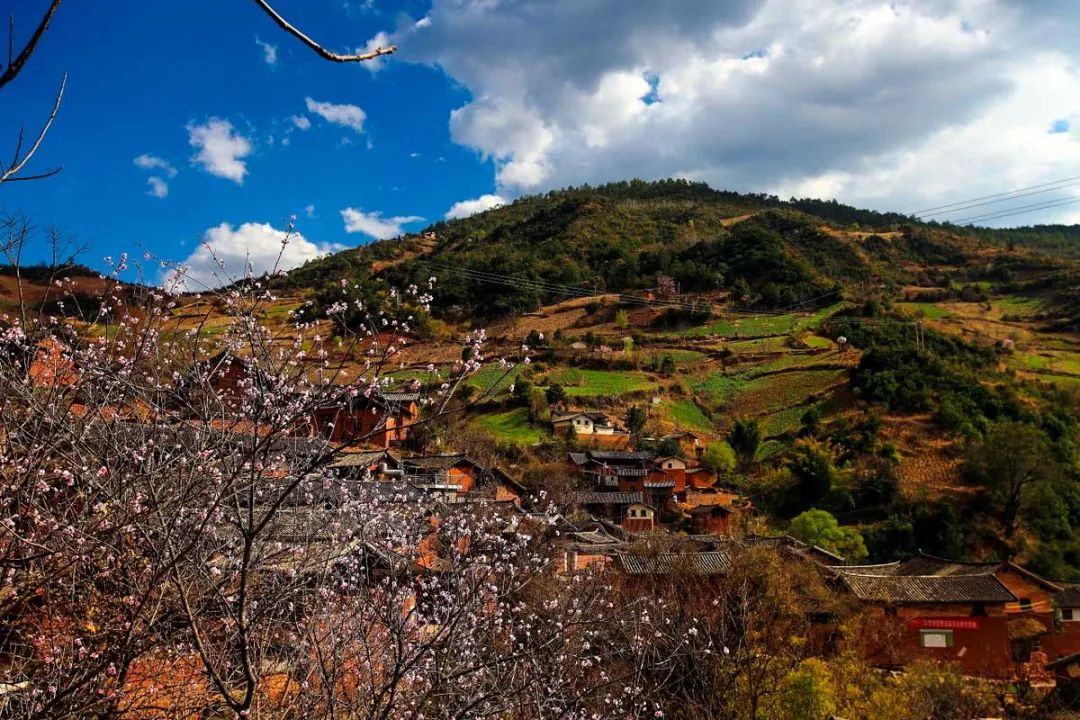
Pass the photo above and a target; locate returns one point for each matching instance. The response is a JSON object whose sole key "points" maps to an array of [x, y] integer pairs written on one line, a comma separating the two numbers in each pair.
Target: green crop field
{"points": [[580, 382], [1019, 305], [784, 421], [718, 388], [755, 326], [687, 415], [511, 427], [1057, 363], [680, 356], [493, 381], [927, 310], [766, 394]]}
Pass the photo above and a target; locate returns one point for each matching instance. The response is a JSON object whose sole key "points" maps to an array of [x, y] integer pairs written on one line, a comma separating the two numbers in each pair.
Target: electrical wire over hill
{"points": [[939, 212]]}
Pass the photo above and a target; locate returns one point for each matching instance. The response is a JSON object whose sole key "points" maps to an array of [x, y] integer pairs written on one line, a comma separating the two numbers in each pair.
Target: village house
{"points": [[990, 618], [455, 478], [1067, 603], [592, 544], [381, 420], [590, 428], [617, 507], [612, 470], [689, 444], [378, 464], [711, 520]]}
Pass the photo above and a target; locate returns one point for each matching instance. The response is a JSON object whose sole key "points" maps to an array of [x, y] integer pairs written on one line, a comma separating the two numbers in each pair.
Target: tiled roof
{"points": [[608, 498], [621, 471], [703, 563], [659, 483], [400, 397], [616, 455], [1069, 597], [579, 458], [926, 588], [597, 418], [362, 459], [436, 462], [929, 565]]}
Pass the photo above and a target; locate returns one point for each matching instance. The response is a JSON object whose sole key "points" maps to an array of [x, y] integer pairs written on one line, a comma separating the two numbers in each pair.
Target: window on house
{"points": [[1070, 614], [936, 638]]}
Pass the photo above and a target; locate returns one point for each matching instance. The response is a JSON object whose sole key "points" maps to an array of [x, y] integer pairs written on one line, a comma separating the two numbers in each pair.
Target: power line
{"points": [[1060, 202], [973, 205], [995, 195]]}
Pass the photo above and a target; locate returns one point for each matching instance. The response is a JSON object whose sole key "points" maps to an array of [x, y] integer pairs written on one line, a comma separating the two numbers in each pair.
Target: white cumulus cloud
{"points": [[269, 52], [345, 115], [158, 187], [220, 149], [465, 208], [230, 253], [374, 225], [897, 105], [301, 122], [153, 162]]}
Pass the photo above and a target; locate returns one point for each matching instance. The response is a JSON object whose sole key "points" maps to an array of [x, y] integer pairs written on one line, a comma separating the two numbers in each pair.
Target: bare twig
{"points": [[16, 65], [319, 49], [18, 163]]}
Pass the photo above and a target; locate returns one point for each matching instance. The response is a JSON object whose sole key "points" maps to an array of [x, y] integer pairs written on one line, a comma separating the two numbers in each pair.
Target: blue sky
{"points": [[888, 104], [141, 74]]}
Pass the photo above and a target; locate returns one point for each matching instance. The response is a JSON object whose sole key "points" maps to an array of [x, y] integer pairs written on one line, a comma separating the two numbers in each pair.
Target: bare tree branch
{"points": [[322, 52], [16, 65], [18, 163]]}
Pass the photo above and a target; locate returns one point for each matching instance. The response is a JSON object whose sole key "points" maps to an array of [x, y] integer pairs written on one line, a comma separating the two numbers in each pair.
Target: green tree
{"points": [[744, 438], [720, 459], [622, 320], [538, 406], [635, 420], [667, 365], [555, 394], [818, 527], [806, 693], [1011, 458], [812, 467]]}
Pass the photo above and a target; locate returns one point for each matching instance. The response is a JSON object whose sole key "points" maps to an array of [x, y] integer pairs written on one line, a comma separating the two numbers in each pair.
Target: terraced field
{"points": [[770, 393], [511, 426], [585, 383], [687, 415]]}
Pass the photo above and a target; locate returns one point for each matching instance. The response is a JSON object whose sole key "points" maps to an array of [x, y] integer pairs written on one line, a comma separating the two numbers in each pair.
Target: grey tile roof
{"points": [[926, 588], [621, 471], [619, 455], [704, 563], [1069, 597], [608, 498], [929, 565], [659, 483], [400, 397], [363, 459], [436, 462]]}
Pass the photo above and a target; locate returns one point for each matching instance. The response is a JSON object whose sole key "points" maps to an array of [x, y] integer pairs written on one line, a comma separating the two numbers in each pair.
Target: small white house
{"points": [[584, 423]]}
